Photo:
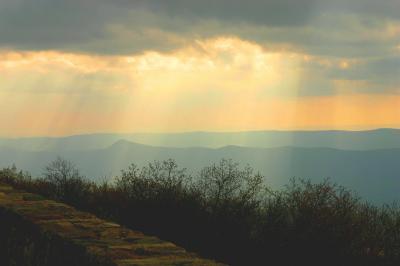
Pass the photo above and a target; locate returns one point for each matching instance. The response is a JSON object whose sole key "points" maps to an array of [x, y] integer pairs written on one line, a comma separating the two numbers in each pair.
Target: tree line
{"points": [[228, 213]]}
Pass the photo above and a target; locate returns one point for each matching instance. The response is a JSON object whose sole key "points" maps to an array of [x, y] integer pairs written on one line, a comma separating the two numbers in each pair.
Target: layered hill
{"points": [[374, 173], [348, 140]]}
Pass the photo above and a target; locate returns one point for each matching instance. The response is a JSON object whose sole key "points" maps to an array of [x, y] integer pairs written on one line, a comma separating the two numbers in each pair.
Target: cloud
{"points": [[376, 75], [215, 84], [221, 67], [238, 64], [332, 28]]}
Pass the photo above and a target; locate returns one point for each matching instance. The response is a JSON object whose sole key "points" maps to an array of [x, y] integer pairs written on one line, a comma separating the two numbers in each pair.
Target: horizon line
{"points": [[203, 132]]}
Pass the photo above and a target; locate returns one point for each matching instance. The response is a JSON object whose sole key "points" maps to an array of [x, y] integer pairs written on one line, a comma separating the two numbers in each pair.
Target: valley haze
{"points": [[364, 161]]}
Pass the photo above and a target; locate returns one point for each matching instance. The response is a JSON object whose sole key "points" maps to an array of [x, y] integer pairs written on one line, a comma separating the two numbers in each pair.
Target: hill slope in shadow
{"points": [[374, 174]]}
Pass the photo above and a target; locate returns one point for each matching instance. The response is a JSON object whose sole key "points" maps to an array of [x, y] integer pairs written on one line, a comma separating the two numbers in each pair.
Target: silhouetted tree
{"points": [[226, 181], [65, 180], [226, 212]]}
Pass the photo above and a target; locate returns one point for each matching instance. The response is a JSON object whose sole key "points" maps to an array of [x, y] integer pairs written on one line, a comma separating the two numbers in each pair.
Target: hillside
{"points": [[374, 174], [37, 231], [348, 140]]}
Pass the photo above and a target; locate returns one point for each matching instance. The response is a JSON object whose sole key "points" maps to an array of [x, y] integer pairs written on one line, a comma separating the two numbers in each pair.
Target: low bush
{"points": [[225, 212]]}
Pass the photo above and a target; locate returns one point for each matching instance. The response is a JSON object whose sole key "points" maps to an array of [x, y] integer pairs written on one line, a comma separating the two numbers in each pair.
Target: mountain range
{"points": [[347, 140], [367, 162]]}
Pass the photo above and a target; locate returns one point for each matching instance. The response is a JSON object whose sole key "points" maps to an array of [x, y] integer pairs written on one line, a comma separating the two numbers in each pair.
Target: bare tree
{"points": [[225, 180], [63, 175], [60, 170]]}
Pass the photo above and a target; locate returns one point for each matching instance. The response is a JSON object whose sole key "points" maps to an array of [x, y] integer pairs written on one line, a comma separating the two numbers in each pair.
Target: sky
{"points": [[73, 67]]}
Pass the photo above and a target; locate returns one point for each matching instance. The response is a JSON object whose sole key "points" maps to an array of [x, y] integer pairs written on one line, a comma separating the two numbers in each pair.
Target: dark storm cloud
{"points": [[265, 12], [270, 12], [83, 26], [121, 27], [46, 24], [366, 30], [383, 74]]}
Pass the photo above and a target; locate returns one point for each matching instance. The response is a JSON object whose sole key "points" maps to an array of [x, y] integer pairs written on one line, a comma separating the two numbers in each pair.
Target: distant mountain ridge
{"points": [[347, 140], [375, 174]]}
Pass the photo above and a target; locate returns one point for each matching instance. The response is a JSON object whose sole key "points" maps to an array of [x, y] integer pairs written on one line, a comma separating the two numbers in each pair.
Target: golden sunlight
{"points": [[216, 84]]}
